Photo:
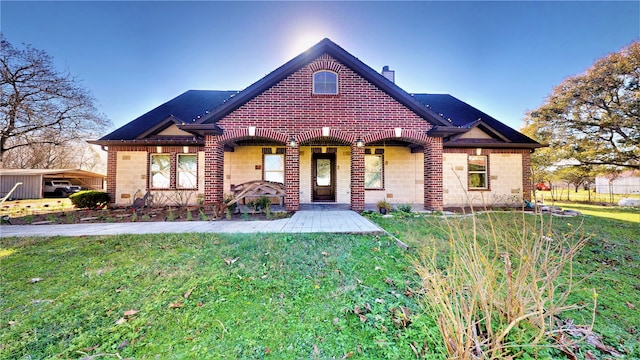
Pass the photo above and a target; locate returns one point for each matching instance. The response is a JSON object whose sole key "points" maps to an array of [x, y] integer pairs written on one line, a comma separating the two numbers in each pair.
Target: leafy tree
{"points": [[594, 117], [39, 105]]}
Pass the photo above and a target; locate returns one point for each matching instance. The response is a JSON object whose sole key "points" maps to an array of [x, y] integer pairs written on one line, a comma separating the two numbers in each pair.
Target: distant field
{"points": [[564, 194]]}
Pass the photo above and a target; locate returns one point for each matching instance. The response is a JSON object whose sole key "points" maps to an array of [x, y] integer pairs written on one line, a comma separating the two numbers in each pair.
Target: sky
{"points": [[502, 57]]}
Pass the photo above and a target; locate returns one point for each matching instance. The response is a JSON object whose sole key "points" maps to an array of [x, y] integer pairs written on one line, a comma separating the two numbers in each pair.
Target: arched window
{"points": [[325, 82]]}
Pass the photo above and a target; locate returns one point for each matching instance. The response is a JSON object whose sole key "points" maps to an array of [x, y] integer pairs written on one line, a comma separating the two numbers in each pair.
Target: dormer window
{"points": [[325, 83]]}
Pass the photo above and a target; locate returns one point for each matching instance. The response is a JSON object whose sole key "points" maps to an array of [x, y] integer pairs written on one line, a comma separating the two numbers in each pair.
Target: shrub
{"points": [[405, 208], [90, 199], [497, 288]]}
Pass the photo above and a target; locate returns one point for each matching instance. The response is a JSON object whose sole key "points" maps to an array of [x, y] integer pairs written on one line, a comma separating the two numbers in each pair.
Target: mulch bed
{"points": [[120, 215]]}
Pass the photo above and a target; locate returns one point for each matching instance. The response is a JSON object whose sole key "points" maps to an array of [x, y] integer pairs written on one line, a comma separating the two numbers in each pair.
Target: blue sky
{"points": [[502, 57]]}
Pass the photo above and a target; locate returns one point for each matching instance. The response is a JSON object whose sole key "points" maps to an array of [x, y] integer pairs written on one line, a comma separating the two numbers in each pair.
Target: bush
{"points": [[405, 208], [497, 288], [90, 199]]}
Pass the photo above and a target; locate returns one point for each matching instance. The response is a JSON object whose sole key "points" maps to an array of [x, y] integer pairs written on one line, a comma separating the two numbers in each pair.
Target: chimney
{"points": [[389, 74]]}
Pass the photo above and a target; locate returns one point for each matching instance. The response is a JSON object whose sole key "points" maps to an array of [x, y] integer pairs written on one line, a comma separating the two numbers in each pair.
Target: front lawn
{"points": [[315, 296], [207, 296]]}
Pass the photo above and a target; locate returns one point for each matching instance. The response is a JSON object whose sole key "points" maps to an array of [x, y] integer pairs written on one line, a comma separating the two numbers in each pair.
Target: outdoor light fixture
{"points": [[252, 131], [398, 132], [325, 131], [359, 143], [292, 142], [478, 151]]}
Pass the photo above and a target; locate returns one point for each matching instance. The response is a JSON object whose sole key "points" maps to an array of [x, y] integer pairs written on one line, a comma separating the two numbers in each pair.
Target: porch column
{"points": [[214, 169], [112, 170], [433, 174], [357, 178], [292, 178], [527, 175]]}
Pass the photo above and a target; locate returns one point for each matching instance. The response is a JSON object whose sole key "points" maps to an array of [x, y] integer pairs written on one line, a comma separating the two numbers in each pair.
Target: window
{"points": [[160, 171], [187, 172], [325, 82], [274, 167], [373, 171], [478, 172]]}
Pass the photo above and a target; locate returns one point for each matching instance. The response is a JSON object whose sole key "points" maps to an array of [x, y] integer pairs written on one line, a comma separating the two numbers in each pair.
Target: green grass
{"points": [[608, 265], [610, 212], [569, 194], [316, 296], [284, 297]]}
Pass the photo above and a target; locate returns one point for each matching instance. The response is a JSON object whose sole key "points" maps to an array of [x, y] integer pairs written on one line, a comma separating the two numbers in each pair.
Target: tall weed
{"points": [[498, 287]]}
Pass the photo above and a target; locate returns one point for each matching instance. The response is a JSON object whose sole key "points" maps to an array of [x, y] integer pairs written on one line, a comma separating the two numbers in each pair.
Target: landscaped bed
{"points": [[61, 211], [281, 296]]}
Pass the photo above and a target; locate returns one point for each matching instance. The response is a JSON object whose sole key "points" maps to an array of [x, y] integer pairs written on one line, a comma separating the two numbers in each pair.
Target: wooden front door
{"points": [[324, 177]]}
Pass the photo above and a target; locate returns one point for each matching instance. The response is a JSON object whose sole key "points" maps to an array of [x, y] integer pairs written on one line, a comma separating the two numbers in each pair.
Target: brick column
{"points": [[357, 178], [527, 176], [292, 178], [112, 165], [213, 170], [433, 174]]}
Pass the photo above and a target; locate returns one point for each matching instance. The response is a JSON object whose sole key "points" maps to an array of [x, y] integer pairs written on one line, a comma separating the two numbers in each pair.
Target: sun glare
{"points": [[303, 41]]}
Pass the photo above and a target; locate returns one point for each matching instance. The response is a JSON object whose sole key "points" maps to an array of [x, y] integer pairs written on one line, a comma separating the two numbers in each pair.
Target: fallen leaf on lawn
{"points": [[362, 318], [89, 349], [388, 281], [316, 351], [348, 355], [34, 280], [175, 305], [630, 305], [380, 301], [200, 304], [216, 242], [118, 290], [230, 261], [12, 322], [367, 306], [336, 321], [325, 253], [123, 344], [589, 356], [378, 268], [267, 350], [188, 293], [131, 312], [121, 321]]}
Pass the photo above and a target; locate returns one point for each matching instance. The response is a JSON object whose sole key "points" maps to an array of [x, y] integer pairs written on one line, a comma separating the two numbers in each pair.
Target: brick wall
{"points": [[359, 111]]}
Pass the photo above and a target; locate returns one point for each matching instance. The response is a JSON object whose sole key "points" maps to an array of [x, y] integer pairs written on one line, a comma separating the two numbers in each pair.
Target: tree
{"points": [[41, 107], [594, 117]]}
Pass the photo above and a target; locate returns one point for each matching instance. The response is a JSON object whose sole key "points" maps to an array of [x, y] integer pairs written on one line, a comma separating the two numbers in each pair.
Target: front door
{"points": [[324, 177]]}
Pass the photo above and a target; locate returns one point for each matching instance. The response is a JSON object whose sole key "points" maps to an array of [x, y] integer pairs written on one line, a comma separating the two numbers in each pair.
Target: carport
{"points": [[33, 180]]}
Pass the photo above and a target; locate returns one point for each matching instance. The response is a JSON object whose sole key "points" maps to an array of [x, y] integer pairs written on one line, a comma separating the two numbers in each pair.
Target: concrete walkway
{"points": [[341, 221]]}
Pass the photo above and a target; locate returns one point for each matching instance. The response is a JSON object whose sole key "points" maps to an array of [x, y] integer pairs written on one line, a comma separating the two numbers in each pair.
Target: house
{"points": [[331, 129]]}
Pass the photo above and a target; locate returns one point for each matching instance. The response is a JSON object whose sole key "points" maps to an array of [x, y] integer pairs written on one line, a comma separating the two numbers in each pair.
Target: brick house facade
{"points": [[362, 140]]}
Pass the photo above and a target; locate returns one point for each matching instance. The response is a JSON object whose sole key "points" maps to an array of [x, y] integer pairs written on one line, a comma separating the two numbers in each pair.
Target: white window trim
{"points": [[485, 172], [152, 172], [194, 172], [381, 156], [313, 85], [264, 166]]}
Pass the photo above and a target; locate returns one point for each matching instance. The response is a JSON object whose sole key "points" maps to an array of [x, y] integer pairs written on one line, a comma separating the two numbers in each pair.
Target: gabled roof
{"points": [[461, 114], [326, 46], [187, 107]]}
